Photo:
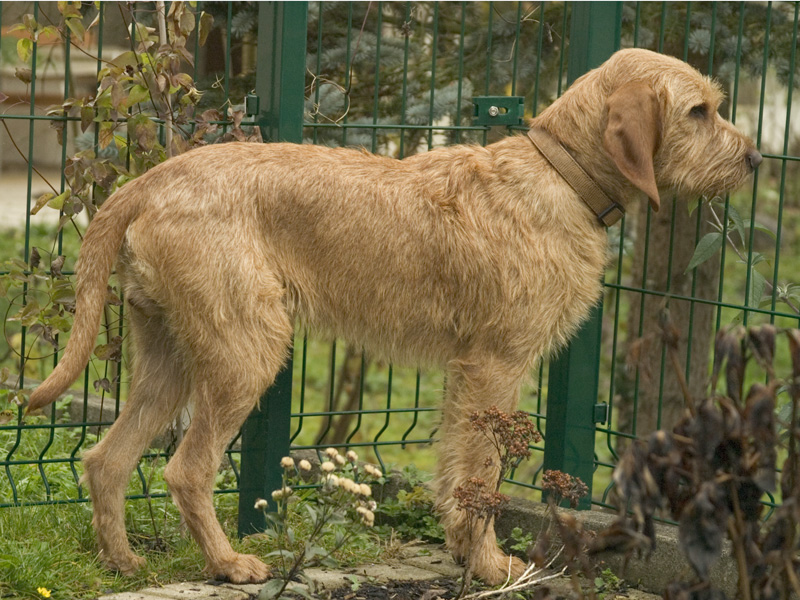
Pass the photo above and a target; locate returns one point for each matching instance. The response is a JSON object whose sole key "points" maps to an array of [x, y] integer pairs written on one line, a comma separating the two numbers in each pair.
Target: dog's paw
{"points": [[496, 568], [242, 568], [127, 564]]}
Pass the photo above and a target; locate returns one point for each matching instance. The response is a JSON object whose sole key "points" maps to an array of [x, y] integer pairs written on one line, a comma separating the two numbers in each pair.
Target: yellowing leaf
{"points": [[76, 27], [41, 201], [204, 28], [106, 134], [24, 49], [138, 93]]}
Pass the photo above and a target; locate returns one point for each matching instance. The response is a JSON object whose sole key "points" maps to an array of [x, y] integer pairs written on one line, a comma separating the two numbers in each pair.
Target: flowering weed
{"points": [[338, 511]]}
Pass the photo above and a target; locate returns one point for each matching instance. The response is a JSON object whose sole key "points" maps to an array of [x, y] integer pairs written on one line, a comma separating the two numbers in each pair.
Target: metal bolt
{"points": [[493, 111]]}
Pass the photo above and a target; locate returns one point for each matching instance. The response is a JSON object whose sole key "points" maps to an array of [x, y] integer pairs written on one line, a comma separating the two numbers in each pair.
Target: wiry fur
{"points": [[481, 260]]}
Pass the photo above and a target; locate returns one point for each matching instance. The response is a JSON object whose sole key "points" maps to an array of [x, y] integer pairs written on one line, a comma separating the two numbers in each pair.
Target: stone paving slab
{"points": [[412, 563], [194, 590]]}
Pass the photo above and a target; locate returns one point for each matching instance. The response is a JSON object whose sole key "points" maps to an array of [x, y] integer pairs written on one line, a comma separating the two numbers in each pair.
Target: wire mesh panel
{"points": [[92, 96], [396, 78], [711, 263]]}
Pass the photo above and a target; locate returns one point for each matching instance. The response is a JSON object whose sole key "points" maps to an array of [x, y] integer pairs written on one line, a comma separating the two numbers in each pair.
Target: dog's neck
{"points": [[605, 208]]}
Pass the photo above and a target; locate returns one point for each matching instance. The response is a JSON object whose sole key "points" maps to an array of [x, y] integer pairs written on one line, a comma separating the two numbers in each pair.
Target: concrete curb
{"points": [[665, 565]]}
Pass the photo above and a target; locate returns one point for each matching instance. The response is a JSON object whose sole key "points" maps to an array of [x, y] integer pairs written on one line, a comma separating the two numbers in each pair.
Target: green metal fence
{"points": [[398, 79]]}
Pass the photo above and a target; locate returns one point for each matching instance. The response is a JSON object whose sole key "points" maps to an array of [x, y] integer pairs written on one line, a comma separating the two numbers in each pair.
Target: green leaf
{"points": [[87, 116], [756, 258], [303, 592], [757, 285], [60, 323], [138, 93], [706, 248], [762, 228], [312, 514], [126, 59], [65, 295], [285, 553], [120, 142], [271, 590], [738, 223], [28, 314], [58, 202]]}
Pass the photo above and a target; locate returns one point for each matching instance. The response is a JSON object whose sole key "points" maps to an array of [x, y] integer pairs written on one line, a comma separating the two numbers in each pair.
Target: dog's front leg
{"points": [[473, 386]]}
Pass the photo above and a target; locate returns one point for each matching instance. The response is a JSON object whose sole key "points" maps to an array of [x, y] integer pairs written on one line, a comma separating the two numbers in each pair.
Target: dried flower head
{"points": [[331, 453], [373, 471], [564, 487], [365, 490], [261, 504], [327, 467], [511, 434], [304, 465], [282, 493], [287, 462], [474, 498], [367, 516], [339, 460], [352, 456]]}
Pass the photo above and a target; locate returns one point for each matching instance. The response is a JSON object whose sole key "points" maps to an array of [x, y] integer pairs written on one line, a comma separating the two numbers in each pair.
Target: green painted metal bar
{"points": [[460, 84], [280, 83], [573, 378], [782, 186]]}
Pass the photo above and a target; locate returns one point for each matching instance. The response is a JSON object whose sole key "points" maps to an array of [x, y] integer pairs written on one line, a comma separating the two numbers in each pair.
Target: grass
{"points": [[54, 547]]}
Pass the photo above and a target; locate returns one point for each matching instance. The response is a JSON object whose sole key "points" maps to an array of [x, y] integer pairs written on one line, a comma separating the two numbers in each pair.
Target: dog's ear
{"points": [[632, 135]]}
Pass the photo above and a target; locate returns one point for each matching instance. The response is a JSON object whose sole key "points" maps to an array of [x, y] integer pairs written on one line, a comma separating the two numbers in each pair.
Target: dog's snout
{"points": [[753, 158]]}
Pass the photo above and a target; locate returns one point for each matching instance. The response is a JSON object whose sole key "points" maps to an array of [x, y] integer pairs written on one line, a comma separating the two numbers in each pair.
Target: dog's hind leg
{"points": [[473, 386], [155, 398], [235, 360]]}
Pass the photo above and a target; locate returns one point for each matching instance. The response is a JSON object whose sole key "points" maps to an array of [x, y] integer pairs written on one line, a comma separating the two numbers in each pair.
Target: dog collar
{"points": [[608, 212]]}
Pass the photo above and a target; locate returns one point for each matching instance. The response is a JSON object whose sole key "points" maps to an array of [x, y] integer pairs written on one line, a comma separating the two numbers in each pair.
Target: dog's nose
{"points": [[754, 158]]}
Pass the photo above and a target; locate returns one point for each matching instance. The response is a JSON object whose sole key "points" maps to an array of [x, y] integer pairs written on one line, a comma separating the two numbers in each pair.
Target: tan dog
{"points": [[482, 260]]}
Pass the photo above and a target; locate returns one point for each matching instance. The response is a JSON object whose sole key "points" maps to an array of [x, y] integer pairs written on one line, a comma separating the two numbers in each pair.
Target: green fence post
{"points": [[573, 377], [280, 83]]}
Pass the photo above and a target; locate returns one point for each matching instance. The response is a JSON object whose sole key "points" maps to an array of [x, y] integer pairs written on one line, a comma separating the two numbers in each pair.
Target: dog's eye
{"points": [[699, 112]]}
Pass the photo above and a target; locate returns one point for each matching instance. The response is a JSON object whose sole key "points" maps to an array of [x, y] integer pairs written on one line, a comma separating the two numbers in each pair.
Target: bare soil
{"points": [[443, 589]]}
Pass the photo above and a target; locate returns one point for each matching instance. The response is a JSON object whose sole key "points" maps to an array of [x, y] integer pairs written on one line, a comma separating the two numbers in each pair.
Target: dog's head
{"points": [[659, 126]]}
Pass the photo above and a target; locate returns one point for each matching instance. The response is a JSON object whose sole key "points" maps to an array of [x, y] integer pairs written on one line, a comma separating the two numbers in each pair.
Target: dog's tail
{"points": [[98, 252]]}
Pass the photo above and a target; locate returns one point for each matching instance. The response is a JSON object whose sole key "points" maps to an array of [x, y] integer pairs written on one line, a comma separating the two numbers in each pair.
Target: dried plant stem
{"points": [[531, 577], [735, 532], [687, 396], [161, 11]]}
